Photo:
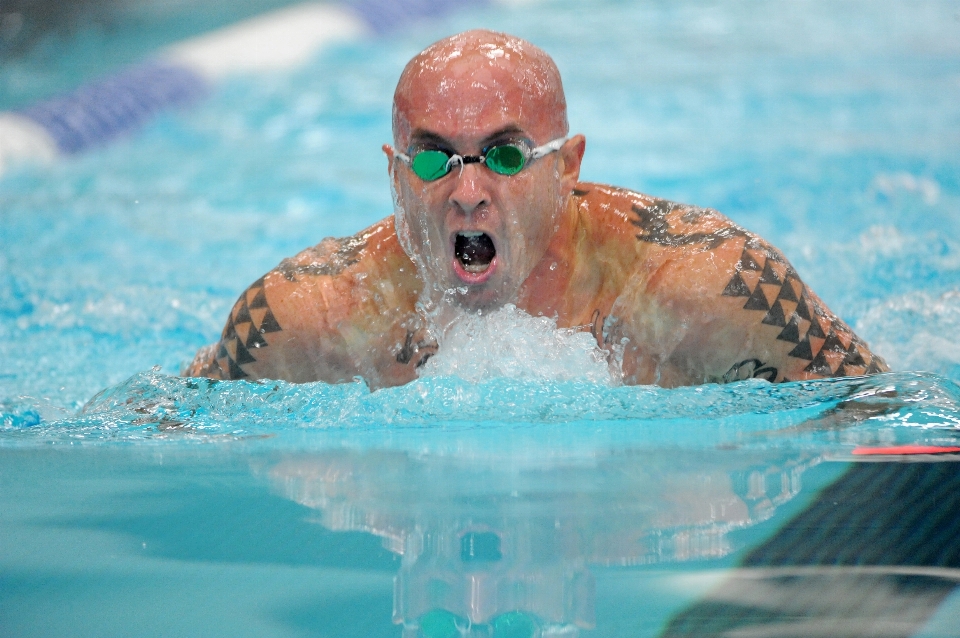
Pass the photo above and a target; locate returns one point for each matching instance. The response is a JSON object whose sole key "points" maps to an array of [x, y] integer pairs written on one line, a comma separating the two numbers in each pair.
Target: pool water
{"points": [[136, 502]]}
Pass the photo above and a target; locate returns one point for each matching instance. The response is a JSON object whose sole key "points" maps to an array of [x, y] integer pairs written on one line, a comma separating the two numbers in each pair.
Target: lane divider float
{"points": [[904, 450], [182, 74]]}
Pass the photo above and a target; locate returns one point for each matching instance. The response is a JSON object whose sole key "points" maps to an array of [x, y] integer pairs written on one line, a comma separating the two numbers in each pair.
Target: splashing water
{"points": [[163, 492], [510, 343]]}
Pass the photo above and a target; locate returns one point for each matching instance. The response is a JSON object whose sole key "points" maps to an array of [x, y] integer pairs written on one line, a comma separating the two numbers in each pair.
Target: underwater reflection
{"points": [[504, 546], [876, 554]]}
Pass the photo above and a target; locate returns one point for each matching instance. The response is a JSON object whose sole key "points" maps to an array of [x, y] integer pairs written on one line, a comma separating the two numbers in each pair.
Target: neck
{"points": [[546, 290]]}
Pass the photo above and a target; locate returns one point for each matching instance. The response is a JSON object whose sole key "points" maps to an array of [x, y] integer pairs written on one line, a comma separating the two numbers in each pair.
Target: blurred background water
{"points": [[830, 128]]}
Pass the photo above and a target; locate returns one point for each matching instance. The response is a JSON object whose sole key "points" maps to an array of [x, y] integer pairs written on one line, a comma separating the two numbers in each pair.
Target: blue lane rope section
{"points": [[386, 16], [103, 110], [99, 112]]}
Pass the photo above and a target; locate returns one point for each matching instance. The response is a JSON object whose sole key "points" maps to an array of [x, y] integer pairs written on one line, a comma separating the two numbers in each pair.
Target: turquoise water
{"points": [[134, 502]]}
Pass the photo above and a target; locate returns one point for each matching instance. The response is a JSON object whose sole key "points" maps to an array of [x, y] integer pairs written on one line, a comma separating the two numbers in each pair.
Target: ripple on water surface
{"points": [[449, 413]]}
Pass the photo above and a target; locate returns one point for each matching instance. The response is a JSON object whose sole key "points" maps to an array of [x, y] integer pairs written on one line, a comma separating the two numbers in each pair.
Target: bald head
{"points": [[467, 77]]}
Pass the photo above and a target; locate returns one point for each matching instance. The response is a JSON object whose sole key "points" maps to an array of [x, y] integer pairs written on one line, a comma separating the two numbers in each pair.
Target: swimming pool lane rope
{"points": [[182, 74]]}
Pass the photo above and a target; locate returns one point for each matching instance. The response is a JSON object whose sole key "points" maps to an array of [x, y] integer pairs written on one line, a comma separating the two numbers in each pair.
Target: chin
{"points": [[455, 290], [486, 297], [480, 303], [472, 298]]}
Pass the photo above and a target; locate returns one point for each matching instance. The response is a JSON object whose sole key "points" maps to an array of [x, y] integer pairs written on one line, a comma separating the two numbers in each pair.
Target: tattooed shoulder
{"points": [[330, 257], [674, 225], [770, 288], [251, 319], [773, 292]]}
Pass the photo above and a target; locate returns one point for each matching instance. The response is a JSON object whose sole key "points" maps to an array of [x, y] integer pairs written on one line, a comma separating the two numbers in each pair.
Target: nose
{"points": [[469, 192]]}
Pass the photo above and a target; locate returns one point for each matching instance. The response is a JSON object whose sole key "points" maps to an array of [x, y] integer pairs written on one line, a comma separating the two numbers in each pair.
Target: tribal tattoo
{"points": [[652, 220], [411, 347], [749, 369], [250, 319], [770, 285], [330, 257]]}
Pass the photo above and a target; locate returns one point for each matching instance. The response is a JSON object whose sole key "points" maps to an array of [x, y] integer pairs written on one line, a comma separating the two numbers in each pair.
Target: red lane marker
{"points": [[906, 449]]}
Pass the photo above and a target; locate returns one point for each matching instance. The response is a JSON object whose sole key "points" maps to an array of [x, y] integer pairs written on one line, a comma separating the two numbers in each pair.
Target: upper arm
{"points": [[332, 313], [256, 341], [725, 305], [787, 323]]}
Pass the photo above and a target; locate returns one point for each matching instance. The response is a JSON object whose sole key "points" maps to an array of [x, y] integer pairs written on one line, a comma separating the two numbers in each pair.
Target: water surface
{"points": [[135, 502]]}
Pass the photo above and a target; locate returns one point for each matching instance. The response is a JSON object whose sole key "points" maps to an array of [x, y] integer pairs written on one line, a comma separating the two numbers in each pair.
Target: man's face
{"points": [[473, 233]]}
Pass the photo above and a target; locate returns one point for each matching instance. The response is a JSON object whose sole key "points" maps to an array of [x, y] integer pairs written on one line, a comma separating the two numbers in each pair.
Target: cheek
{"points": [[416, 197], [419, 216], [535, 212], [408, 219]]}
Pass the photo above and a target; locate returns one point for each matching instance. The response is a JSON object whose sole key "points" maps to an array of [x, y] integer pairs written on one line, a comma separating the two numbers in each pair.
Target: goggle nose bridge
{"points": [[463, 160]]}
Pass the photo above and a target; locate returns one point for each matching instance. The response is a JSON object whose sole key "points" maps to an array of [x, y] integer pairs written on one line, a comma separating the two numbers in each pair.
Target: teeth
{"points": [[471, 233], [475, 268]]}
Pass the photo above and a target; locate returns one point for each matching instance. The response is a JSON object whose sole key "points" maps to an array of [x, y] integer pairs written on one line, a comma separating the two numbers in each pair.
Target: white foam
{"points": [[510, 343], [891, 185], [916, 331]]}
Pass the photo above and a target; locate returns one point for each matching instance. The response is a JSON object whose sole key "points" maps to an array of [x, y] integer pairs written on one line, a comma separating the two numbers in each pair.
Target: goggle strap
{"points": [[546, 149]]}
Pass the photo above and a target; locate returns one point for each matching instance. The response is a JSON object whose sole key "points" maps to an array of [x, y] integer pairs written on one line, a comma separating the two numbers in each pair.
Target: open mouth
{"points": [[474, 250]]}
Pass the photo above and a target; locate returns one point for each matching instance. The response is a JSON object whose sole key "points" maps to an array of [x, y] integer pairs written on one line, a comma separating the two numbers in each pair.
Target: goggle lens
{"points": [[439, 623], [430, 165], [506, 159]]}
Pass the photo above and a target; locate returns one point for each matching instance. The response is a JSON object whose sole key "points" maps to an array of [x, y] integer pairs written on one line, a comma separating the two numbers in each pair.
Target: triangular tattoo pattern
{"points": [[819, 337], [245, 330]]}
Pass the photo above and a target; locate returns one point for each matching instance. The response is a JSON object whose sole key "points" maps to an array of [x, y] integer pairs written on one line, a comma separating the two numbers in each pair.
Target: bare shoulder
{"points": [[333, 255], [710, 301], [330, 313], [785, 318], [655, 221]]}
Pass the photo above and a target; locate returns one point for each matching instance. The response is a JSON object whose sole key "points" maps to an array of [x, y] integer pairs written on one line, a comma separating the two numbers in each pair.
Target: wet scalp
{"points": [[519, 73]]}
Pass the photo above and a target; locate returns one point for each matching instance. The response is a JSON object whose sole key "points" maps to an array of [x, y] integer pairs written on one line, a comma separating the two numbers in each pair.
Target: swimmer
{"points": [[489, 211]]}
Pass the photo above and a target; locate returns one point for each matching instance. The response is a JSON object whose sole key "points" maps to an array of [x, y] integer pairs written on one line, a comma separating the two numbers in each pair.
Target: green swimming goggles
{"points": [[507, 158]]}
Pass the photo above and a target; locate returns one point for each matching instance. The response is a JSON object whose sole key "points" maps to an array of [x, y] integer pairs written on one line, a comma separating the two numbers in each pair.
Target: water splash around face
{"points": [[510, 343]]}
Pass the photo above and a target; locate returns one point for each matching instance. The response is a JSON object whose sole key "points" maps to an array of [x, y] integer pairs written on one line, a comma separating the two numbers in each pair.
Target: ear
{"points": [[391, 165], [391, 154], [571, 155]]}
